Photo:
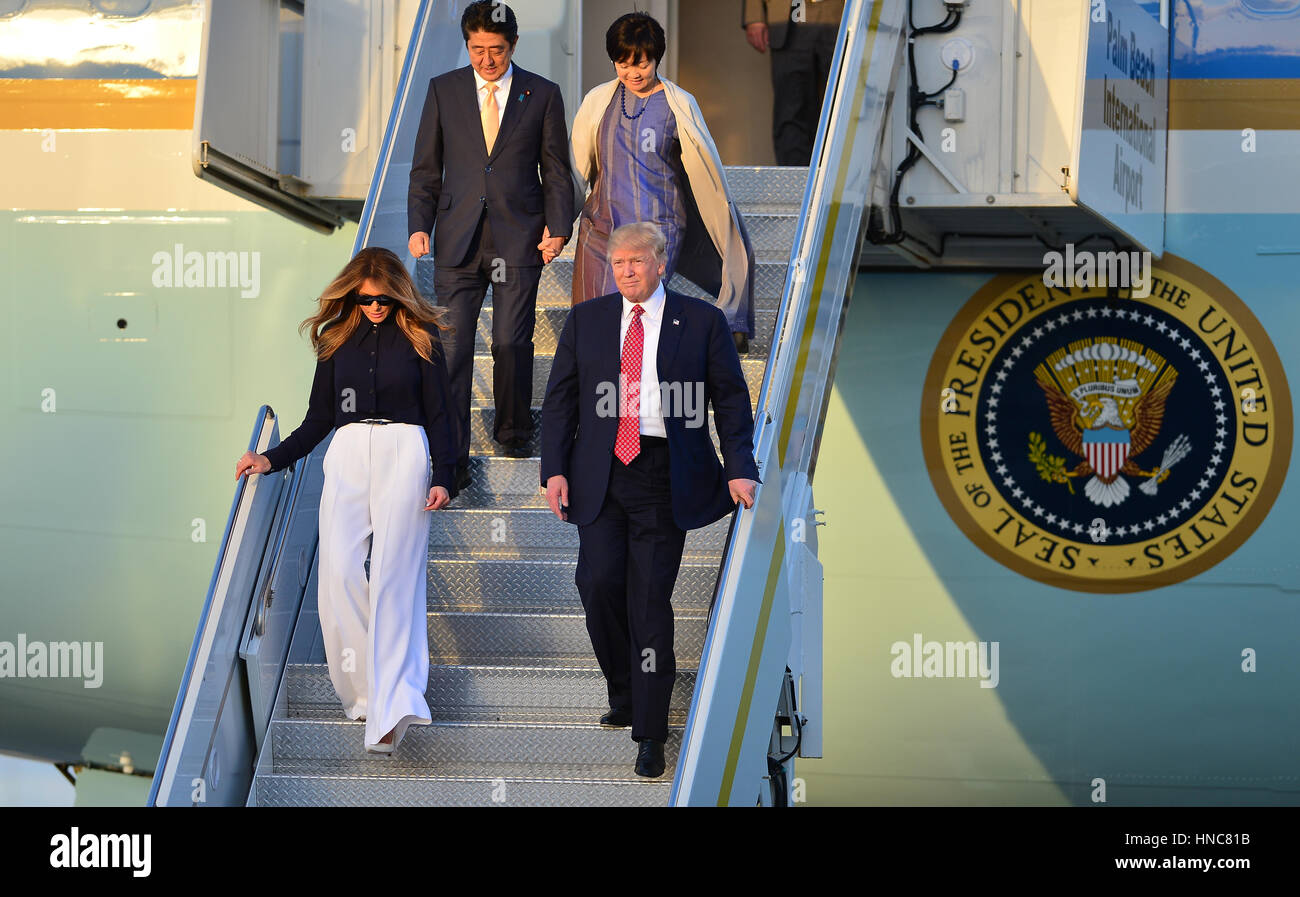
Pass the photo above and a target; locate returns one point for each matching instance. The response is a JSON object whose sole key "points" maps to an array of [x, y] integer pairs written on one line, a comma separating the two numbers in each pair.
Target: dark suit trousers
{"points": [[461, 290], [628, 558], [799, 73]]}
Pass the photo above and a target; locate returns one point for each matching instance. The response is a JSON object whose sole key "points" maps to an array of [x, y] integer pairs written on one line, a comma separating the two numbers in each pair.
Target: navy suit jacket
{"points": [[525, 183], [578, 430]]}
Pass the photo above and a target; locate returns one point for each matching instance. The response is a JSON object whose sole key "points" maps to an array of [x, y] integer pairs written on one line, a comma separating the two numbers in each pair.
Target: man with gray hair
{"points": [[627, 458]]}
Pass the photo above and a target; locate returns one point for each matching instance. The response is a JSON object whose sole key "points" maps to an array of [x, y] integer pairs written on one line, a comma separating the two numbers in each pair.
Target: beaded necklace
{"points": [[622, 99]]}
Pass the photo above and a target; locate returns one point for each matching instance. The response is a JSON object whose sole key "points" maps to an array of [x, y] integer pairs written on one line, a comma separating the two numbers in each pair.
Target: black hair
{"points": [[633, 36], [490, 15]]}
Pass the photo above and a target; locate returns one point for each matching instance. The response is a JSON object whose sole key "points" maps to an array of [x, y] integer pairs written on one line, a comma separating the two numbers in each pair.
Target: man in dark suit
{"points": [[626, 456], [486, 131], [801, 35]]}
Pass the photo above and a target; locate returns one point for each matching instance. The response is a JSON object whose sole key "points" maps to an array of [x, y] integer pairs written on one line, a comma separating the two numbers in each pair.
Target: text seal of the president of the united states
{"points": [[1101, 442]]}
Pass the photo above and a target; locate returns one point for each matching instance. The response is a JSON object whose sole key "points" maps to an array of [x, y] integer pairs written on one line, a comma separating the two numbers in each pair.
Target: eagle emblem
{"points": [[1106, 401]]}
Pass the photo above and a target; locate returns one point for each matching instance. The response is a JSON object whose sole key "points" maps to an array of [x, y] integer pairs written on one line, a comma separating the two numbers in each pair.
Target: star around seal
{"points": [[1105, 443]]}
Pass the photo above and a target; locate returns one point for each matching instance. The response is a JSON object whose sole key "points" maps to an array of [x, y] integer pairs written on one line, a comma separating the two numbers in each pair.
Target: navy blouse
{"points": [[378, 373]]}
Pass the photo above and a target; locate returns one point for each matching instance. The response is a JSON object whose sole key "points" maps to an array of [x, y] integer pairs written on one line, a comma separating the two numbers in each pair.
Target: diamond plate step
{"points": [[766, 184], [554, 290], [532, 533], [600, 789], [771, 231], [500, 482], [489, 694], [550, 323], [538, 638], [457, 583], [555, 286], [481, 391], [333, 746], [482, 420], [770, 225]]}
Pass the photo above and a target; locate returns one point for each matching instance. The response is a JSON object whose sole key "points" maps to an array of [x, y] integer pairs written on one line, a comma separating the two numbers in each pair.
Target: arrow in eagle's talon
{"points": [[1178, 449]]}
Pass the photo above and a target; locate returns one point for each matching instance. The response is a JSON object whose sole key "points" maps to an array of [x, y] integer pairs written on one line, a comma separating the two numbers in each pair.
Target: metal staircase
{"points": [[514, 689]]}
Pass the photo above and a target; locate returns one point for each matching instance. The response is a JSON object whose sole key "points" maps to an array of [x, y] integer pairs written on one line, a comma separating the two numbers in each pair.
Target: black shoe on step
{"points": [[516, 448], [742, 343], [650, 759], [617, 719]]}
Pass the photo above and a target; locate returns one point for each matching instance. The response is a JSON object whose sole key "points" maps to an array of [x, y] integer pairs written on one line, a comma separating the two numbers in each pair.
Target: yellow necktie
{"points": [[491, 116]]}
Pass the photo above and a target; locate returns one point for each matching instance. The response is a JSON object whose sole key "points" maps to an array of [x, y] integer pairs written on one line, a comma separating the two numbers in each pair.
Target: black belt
{"points": [[376, 420], [657, 441]]}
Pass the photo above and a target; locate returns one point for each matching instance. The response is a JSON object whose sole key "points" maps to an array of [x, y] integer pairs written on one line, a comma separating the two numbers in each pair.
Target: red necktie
{"points": [[628, 444]]}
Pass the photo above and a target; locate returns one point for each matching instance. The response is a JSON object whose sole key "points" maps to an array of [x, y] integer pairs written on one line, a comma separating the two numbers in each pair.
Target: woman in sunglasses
{"points": [[381, 380]]}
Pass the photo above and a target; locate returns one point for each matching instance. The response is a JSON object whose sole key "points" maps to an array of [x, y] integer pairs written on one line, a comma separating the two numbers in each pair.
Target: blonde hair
{"points": [[640, 233], [338, 315]]}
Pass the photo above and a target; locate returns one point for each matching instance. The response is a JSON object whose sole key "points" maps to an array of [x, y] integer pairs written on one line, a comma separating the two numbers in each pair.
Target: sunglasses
{"points": [[362, 299]]}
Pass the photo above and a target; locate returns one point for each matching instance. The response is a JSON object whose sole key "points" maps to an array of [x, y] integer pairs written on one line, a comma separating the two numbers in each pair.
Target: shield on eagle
{"points": [[1106, 450]]}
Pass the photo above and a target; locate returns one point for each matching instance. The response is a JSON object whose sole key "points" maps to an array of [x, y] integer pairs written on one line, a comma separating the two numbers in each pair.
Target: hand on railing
{"points": [[742, 490], [251, 462]]}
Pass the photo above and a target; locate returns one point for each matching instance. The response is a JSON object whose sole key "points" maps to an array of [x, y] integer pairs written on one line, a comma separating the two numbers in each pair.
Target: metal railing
{"points": [[768, 569], [435, 47], [265, 643], [189, 764]]}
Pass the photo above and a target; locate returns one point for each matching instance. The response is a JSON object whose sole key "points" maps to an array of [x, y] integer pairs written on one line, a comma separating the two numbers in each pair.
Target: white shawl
{"points": [[708, 181]]}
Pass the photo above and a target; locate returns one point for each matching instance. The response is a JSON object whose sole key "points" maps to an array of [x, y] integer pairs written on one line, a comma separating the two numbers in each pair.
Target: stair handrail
{"points": [[222, 571], [724, 745], [433, 20]]}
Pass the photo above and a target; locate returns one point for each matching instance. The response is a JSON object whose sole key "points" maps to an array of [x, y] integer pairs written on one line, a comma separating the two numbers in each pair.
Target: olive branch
{"points": [[1050, 467]]}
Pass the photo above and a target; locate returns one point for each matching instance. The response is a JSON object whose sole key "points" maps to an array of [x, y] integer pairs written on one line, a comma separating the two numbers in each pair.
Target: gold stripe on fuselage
{"points": [[1231, 104], [93, 103]]}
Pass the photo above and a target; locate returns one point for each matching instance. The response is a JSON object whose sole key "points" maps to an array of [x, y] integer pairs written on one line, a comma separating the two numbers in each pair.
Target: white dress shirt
{"points": [[503, 91], [652, 418]]}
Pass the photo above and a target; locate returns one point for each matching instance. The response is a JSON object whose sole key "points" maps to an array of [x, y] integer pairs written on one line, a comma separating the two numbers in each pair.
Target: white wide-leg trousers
{"points": [[376, 632]]}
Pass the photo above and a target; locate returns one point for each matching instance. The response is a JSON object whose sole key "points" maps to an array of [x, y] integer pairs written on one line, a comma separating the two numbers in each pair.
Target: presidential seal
{"points": [[1102, 442]]}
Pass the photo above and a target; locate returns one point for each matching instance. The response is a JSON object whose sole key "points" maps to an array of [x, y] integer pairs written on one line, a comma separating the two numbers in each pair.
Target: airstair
{"points": [[514, 690]]}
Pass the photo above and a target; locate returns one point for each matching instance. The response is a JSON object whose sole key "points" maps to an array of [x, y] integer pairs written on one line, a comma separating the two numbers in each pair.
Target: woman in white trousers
{"points": [[381, 380]]}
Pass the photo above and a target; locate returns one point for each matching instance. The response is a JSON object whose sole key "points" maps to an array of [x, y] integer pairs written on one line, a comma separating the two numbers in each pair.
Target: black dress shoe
{"points": [[516, 448], [617, 719], [742, 343], [650, 759], [463, 478]]}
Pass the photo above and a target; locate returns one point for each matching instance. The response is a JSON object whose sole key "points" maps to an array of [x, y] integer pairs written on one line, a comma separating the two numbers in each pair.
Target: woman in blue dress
{"points": [[642, 144]]}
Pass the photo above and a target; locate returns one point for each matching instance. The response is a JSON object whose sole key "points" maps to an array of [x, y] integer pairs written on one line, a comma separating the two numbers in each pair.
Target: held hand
{"points": [[757, 35], [438, 498], [418, 244], [557, 496], [251, 462], [550, 246], [742, 490]]}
